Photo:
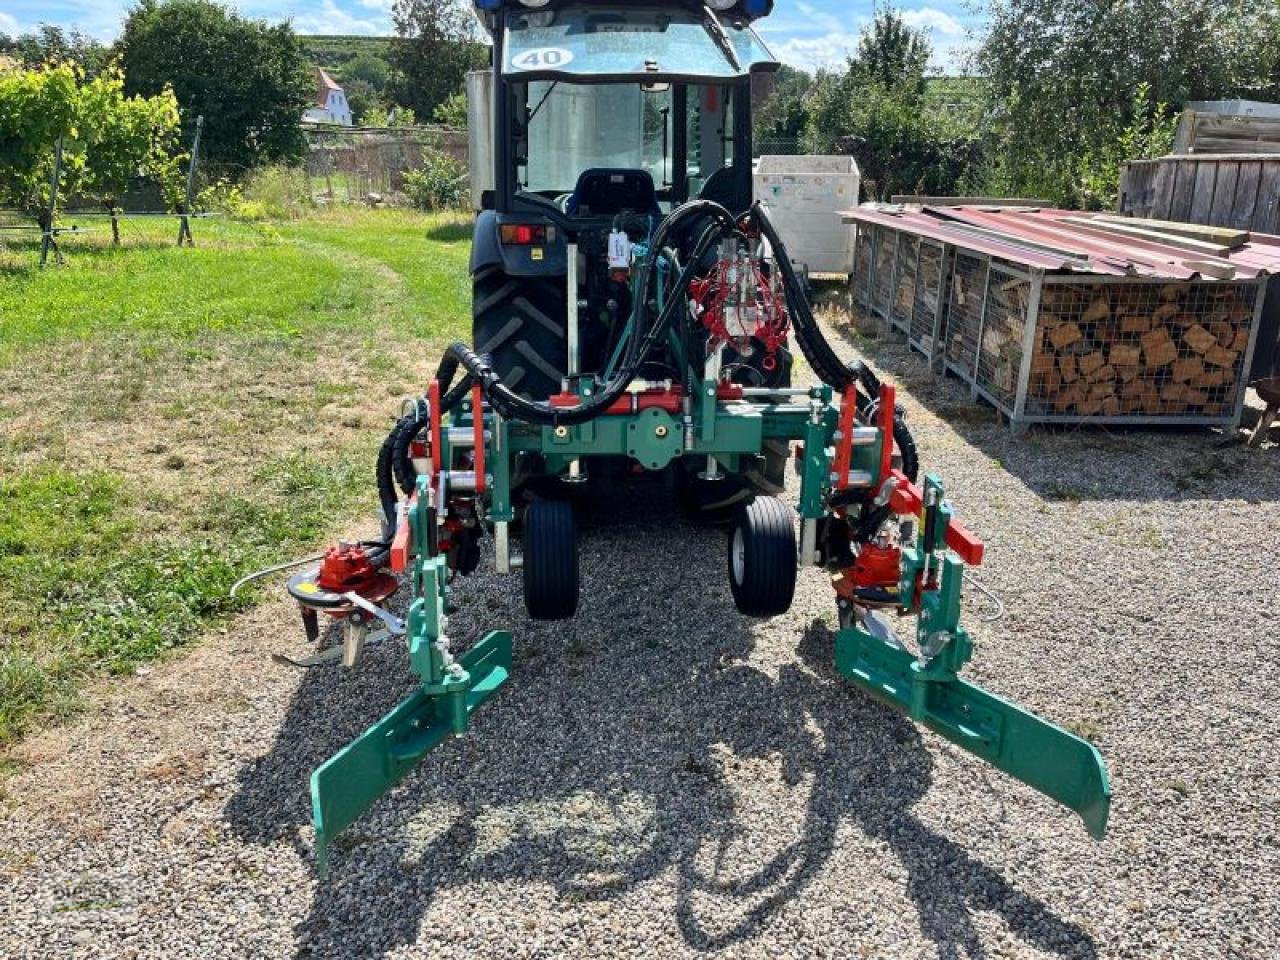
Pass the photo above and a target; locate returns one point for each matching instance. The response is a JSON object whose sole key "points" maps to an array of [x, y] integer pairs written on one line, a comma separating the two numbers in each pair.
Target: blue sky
{"points": [[804, 33]]}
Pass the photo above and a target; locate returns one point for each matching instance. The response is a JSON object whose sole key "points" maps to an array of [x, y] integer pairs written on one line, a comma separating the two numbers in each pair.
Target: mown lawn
{"points": [[173, 418]]}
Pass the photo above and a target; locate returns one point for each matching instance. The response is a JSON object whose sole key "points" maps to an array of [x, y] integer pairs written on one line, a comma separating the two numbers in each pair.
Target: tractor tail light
{"points": [[523, 234]]}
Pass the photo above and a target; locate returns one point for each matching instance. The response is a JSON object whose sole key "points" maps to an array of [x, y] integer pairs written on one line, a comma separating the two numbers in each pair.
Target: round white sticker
{"points": [[542, 58]]}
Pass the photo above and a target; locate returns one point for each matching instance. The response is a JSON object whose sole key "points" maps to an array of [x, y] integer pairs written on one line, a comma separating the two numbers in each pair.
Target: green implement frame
{"points": [[922, 682]]}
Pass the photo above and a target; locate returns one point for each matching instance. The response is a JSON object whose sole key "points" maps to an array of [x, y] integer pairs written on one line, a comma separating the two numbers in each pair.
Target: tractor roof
{"points": [[592, 42]]}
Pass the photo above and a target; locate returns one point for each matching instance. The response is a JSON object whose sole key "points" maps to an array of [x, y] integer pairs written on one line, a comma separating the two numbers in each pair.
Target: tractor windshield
{"points": [[680, 134], [601, 43]]}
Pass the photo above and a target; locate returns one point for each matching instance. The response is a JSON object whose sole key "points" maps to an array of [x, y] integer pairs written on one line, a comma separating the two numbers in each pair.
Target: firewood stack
{"points": [[1116, 349]]}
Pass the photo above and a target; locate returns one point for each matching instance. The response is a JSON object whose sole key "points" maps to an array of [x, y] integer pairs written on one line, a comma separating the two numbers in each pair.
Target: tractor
{"points": [[634, 311]]}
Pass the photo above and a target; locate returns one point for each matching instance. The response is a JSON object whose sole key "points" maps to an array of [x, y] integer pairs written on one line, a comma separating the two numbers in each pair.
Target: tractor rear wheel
{"points": [[550, 560], [520, 323], [762, 558]]}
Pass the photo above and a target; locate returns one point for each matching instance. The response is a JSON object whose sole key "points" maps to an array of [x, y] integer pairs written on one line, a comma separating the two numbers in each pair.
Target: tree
{"points": [[107, 139], [877, 110], [51, 45], [247, 78], [891, 54], [1065, 74], [126, 137], [367, 68], [436, 44], [365, 103]]}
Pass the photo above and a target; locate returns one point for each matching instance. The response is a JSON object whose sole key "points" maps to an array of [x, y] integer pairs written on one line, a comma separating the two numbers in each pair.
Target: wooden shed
{"points": [[1238, 190]]}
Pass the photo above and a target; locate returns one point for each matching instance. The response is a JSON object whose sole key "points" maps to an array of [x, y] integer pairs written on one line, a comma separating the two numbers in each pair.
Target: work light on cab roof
{"points": [[634, 314]]}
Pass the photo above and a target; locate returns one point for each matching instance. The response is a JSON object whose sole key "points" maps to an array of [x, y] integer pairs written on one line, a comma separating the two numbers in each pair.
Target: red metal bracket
{"points": [[908, 500], [437, 447], [844, 449], [403, 539], [888, 410]]}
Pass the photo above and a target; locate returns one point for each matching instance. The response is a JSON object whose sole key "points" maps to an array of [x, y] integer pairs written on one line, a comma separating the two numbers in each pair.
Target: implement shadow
{"points": [[608, 761], [1081, 462]]}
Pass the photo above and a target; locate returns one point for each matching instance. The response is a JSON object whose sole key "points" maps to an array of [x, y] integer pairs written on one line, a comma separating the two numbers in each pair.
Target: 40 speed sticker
{"points": [[542, 58]]}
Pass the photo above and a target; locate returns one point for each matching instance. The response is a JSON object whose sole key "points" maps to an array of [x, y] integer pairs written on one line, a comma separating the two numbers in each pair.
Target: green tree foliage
{"points": [[247, 78], [436, 44], [453, 112], [1073, 78], [51, 45], [439, 183], [366, 105], [780, 118], [878, 110], [124, 138], [891, 54], [367, 68], [39, 106], [107, 138]]}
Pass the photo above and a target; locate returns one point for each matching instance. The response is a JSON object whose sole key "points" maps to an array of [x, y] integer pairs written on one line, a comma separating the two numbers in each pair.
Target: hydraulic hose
{"points": [[824, 360], [820, 354], [513, 406]]}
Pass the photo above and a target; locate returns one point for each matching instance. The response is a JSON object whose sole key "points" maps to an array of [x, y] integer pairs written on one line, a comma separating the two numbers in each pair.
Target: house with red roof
{"points": [[330, 104]]}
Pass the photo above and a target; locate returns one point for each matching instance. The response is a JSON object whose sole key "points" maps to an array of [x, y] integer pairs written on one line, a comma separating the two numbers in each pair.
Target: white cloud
{"points": [[332, 19], [8, 24], [812, 53], [933, 19]]}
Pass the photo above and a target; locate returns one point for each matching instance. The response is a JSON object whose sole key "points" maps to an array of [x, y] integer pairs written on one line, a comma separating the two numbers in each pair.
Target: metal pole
{"points": [[184, 225], [1032, 316], [46, 241]]}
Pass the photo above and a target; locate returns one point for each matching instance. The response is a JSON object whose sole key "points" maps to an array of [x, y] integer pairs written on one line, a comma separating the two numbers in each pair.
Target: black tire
{"points": [[762, 558], [520, 323], [550, 560]]}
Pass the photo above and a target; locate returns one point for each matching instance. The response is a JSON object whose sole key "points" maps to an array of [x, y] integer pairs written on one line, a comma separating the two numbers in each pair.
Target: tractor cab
{"points": [[584, 92], [594, 122]]}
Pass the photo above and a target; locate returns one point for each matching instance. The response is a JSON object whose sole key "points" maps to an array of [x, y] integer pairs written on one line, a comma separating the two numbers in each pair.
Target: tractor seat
{"points": [[604, 191]]}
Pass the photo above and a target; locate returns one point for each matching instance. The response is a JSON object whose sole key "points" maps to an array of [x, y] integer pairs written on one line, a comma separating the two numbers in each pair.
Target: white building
{"points": [[330, 104]]}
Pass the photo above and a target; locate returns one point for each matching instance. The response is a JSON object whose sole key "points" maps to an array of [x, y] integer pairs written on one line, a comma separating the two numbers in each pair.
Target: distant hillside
{"points": [[333, 53]]}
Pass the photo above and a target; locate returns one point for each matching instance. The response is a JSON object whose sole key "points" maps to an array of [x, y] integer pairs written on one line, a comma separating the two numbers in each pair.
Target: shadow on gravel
{"points": [[1074, 462], [607, 761]]}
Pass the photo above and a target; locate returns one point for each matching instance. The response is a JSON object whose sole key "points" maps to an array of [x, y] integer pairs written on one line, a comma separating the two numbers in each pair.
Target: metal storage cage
{"points": [[1047, 337], [1069, 349], [902, 279]]}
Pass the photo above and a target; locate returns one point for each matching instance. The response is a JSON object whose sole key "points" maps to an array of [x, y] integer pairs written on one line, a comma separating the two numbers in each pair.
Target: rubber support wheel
{"points": [[762, 558], [550, 560], [520, 323]]}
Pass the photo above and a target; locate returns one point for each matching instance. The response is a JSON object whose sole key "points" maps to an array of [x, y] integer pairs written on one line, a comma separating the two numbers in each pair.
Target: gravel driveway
{"points": [[663, 778]]}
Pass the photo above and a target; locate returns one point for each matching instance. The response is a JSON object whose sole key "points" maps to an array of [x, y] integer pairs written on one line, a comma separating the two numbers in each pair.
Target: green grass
{"points": [[171, 419]]}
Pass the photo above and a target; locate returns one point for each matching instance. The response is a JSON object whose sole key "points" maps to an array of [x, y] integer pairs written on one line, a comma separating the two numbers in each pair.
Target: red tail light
{"points": [[524, 234]]}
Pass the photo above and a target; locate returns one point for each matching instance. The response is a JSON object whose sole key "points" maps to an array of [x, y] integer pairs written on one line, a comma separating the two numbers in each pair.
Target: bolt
{"points": [[561, 432], [659, 431]]}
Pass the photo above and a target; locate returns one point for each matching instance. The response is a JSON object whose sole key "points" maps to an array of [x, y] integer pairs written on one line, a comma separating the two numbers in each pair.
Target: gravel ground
{"points": [[663, 778]]}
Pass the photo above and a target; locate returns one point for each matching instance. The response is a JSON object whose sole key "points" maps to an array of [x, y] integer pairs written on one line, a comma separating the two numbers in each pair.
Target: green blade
{"points": [[1059, 764], [346, 785]]}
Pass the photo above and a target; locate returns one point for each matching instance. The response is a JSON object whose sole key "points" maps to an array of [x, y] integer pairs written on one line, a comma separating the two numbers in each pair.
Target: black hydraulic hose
{"points": [[824, 360], [450, 398], [513, 406], [386, 483]]}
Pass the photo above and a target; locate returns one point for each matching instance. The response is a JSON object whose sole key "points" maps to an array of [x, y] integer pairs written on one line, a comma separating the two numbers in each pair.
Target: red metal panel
{"points": [[1106, 254]]}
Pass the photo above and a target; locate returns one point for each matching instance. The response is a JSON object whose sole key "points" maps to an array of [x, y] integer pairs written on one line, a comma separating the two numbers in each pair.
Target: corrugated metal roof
{"points": [[1043, 238]]}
